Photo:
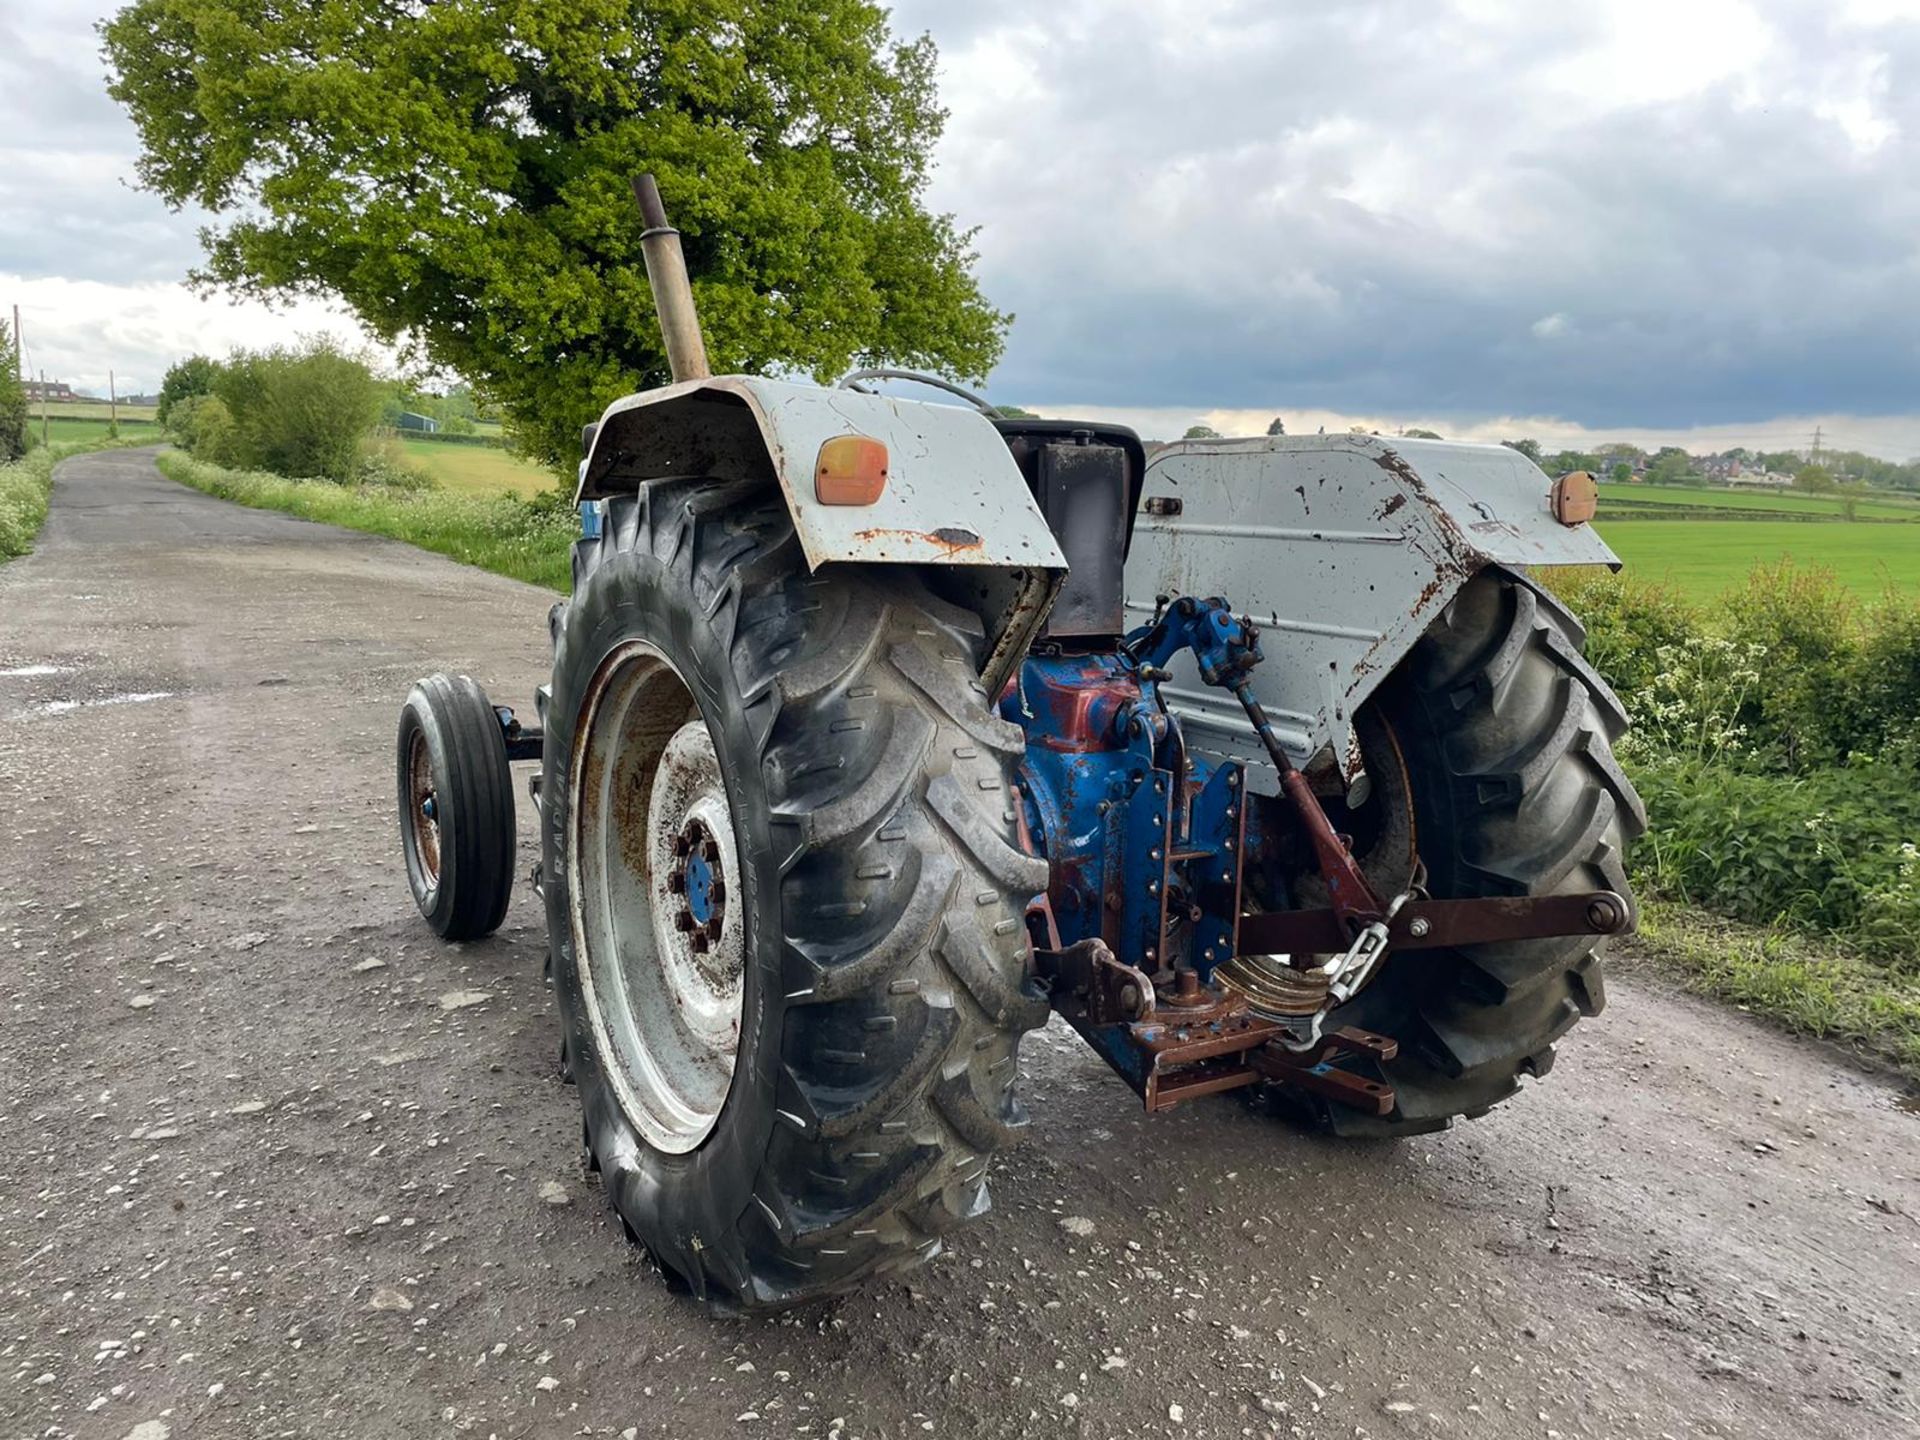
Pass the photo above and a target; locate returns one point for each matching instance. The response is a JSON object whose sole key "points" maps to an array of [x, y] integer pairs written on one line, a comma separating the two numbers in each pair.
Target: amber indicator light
{"points": [[851, 470]]}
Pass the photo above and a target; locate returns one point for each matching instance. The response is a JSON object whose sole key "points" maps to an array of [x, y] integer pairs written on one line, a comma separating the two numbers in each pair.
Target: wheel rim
{"points": [[657, 926], [423, 809]]}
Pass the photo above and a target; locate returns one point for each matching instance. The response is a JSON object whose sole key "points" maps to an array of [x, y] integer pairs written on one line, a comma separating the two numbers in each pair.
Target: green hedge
{"points": [[1774, 744]]}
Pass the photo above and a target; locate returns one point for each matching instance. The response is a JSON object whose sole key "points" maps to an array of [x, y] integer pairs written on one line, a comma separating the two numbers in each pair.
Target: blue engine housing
{"points": [[1146, 844]]}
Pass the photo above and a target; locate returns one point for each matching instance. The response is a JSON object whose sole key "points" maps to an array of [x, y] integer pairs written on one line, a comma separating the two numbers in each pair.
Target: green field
{"points": [[66, 427], [1881, 507], [477, 469], [89, 410], [1701, 558]]}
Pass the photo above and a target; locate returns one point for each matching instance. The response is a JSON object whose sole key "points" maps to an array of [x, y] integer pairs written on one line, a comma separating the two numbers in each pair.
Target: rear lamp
{"points": [[851, 470]]}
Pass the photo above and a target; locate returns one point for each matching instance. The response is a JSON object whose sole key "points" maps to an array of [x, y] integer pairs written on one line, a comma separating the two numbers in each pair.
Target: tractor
{"points": [[880, 730]]}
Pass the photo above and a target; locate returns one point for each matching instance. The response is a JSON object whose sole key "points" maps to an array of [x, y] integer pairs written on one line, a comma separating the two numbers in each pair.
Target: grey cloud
{"points": [[1712, 257]]}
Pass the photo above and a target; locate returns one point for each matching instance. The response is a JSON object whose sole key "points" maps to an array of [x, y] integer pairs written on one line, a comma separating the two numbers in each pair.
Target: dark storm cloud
{"points": [[1607, 214]]}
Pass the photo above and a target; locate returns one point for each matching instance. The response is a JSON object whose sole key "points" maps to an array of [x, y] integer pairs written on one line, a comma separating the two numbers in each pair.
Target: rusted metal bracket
{"points": [[1175, 1045], [1435, 924], [1315, 1072]]}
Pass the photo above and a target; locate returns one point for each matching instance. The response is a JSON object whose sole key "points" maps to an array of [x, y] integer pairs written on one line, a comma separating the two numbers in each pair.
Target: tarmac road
{"points": [[257, 1179]]}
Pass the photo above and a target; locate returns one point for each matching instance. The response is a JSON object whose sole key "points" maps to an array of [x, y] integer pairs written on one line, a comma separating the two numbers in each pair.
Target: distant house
{"points": [[419, 424], [48, 390], [1760, 480]]}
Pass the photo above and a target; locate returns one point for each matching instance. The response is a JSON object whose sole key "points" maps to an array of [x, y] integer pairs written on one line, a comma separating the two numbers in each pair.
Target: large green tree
{"points": [[457, 173]]}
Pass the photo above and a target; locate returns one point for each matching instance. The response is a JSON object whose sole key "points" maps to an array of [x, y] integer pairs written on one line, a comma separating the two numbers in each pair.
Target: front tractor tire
{"points": [[1503, 735], [456, 807], [785, 898]]}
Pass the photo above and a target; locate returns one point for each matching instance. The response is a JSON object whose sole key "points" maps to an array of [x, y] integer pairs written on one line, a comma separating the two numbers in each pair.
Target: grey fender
{"points": [[1343, 549], [953, 497]]}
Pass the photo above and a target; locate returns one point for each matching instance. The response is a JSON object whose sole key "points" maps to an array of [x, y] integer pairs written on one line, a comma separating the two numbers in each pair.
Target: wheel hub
{"points": [[700, 886]]}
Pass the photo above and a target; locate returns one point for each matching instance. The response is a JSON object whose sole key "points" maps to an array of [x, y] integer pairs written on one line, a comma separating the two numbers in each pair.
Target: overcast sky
{"points": [[1636, 218]]}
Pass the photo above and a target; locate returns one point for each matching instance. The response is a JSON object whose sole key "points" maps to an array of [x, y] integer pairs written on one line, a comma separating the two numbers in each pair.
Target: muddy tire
{"points": [[456, 807], [1507, 737], [868, 939]]}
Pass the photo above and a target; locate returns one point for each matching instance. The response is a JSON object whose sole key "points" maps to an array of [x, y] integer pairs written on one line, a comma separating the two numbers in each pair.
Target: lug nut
{"points": [[1420, 927], [699, 942], [682, 847], [713, 928], [677, 881], [683, 922], [717, 891]]}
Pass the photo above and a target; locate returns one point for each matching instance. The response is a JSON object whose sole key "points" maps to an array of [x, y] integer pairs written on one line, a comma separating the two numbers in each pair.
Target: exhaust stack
{"points": [[672, 294]]}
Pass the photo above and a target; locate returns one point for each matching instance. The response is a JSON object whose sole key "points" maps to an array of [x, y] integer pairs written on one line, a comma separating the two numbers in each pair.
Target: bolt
{"points": [[1153, 887], [1103, 807], [1154, 854], [682, 847], [1130, 1000], [1602, 916], [1420, 927], [710, 848], [1209, 952], [717, 891], [713, 928], [1113, 901]]}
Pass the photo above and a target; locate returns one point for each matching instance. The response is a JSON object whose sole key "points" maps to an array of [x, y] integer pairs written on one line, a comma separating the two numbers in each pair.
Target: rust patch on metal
{"points": [[949, 539], [1394, 502]]}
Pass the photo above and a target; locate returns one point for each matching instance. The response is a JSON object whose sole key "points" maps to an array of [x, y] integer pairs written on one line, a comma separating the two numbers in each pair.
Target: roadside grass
{"points": [[1699, 559], [1806, 985], [477, 469], [498, 532], [25, 484]]}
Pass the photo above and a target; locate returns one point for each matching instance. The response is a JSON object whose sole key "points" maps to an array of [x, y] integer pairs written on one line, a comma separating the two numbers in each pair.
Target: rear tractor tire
{"points": [[456, 807], [1504, 734], [785, 898]]}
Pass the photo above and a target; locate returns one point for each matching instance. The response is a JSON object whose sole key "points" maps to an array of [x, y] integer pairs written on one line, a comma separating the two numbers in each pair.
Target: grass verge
{"points": [[25, 484], [1808, 986], [526, 540]]}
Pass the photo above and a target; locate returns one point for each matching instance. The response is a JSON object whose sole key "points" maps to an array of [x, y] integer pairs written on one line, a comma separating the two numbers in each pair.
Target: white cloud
{"points": [[77, 330]]}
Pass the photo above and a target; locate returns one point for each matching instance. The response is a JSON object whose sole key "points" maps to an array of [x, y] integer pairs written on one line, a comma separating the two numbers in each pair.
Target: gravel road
{"points": [[274, 1162]]}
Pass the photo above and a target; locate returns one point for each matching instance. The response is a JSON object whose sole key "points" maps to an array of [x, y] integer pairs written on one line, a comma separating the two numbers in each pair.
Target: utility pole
{"points": [[43, 407], [16, 344], [113, 407], [1814, 459]]}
